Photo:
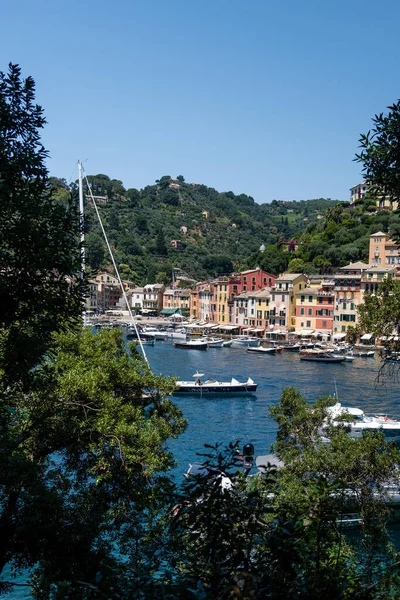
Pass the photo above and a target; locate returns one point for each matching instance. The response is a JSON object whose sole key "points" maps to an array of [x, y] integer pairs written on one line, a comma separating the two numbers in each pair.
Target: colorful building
{"points": [[251, 311], [315, 308], [383, 251], [282, 313], [347, 296], [177, 299]]}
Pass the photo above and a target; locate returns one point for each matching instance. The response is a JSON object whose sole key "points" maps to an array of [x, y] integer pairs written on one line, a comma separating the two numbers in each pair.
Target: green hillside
{"points": [[141, 224]]}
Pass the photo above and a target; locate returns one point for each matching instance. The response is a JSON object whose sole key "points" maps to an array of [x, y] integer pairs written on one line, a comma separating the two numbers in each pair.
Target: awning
{"points": [[366, 336], [385, 338], [339, 336], [305, 332], [248, 329], [258, 330], [168, 311], [229, 327], [214, 326], [321, 333]]}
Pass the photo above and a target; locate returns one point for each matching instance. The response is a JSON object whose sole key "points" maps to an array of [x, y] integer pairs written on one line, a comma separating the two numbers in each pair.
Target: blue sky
{"points": [[260, 97]]}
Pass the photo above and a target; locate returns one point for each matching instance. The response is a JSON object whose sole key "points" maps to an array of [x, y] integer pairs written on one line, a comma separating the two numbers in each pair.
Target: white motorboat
{"points": [[214, 342], [261, 350], [212, 386], [192, 345], [359, 422], [246, 340], [176, 334]]}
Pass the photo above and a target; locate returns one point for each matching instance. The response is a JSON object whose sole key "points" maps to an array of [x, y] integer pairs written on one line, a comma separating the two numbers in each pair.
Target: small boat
{"points": [[227, 344], [192, 345], [146, 341], [322, 357], [366, 354], [212, 386], [291, 348], [214, 342], [262, 350], [246, 340]]}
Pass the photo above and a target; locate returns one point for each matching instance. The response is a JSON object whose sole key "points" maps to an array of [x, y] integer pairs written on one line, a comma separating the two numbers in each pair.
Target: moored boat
{"points": [[262, 350], [358, 421], [214, 342], [246, 340], [322, 357], [212, 386], [192, 345]]}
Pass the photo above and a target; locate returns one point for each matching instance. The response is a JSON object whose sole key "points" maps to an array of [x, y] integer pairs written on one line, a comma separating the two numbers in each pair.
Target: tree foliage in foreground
{"points": [[380, 154], [81, 464], [40, 287], [280, 535]]}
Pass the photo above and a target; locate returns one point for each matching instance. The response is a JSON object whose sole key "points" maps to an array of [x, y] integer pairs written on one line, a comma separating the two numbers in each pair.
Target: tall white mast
{"points": [[80, 183]]}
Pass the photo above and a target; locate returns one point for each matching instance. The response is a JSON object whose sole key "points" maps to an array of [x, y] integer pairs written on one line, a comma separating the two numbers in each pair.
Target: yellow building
{"points": [[282, 312]]}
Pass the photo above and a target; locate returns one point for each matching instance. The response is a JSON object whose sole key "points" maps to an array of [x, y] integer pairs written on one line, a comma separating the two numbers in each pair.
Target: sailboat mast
{"points": [[80, 185]]}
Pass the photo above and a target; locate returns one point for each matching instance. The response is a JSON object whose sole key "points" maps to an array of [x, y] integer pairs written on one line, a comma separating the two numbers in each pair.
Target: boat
{"points": [[291, 348], [227, 344], [262, 350], [147, 342], [178, 334], [364, 354], [358, 421], [246, 340], [322, 357], [212, 386], [214, 342], [192, 345]]}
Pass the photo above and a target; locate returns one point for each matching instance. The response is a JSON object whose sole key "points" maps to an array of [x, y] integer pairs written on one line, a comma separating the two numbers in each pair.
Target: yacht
{"points": [[359, 422], [212, 386]]}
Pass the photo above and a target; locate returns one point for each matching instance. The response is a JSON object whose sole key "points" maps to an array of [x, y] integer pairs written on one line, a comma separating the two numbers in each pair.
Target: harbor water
{"points": [[224, 419]]}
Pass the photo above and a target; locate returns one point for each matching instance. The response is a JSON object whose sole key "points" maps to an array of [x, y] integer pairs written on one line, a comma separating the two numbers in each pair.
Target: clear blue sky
{"points": [[254, 96]]}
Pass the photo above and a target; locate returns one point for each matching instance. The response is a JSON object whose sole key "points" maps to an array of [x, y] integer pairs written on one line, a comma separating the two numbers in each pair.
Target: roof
{"points": [[378, 234], [264, 293], [289, 277], [355, 266], [379, 269]]}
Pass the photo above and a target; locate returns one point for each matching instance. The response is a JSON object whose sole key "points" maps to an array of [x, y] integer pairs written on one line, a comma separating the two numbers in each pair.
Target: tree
{"points": [[380, 154], [279, 535], [95, 252], [83, 471], [181, 179], [40, 287], [161, 247], [296, 266]]}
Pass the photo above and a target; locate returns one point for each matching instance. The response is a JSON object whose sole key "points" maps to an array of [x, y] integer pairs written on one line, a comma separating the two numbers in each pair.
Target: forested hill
{"points": [[216, 232]]}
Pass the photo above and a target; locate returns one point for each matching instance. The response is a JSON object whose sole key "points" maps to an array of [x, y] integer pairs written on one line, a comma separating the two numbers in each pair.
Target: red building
{"points": [[252, 280]]}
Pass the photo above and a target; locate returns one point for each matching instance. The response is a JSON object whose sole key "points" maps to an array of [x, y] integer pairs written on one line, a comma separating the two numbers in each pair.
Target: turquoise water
{"points": [[244, 418], [224, 419]]}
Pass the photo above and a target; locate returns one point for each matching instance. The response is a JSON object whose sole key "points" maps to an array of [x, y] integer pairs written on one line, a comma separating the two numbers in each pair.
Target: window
{"points": [[310, 312], [283, 297], [310, 298], [323, 324], [273, 297], [308, 323], [302, 311]]}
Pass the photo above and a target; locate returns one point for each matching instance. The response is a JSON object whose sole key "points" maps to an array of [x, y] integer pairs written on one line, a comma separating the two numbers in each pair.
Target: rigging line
{"points": [[115, 267]]}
